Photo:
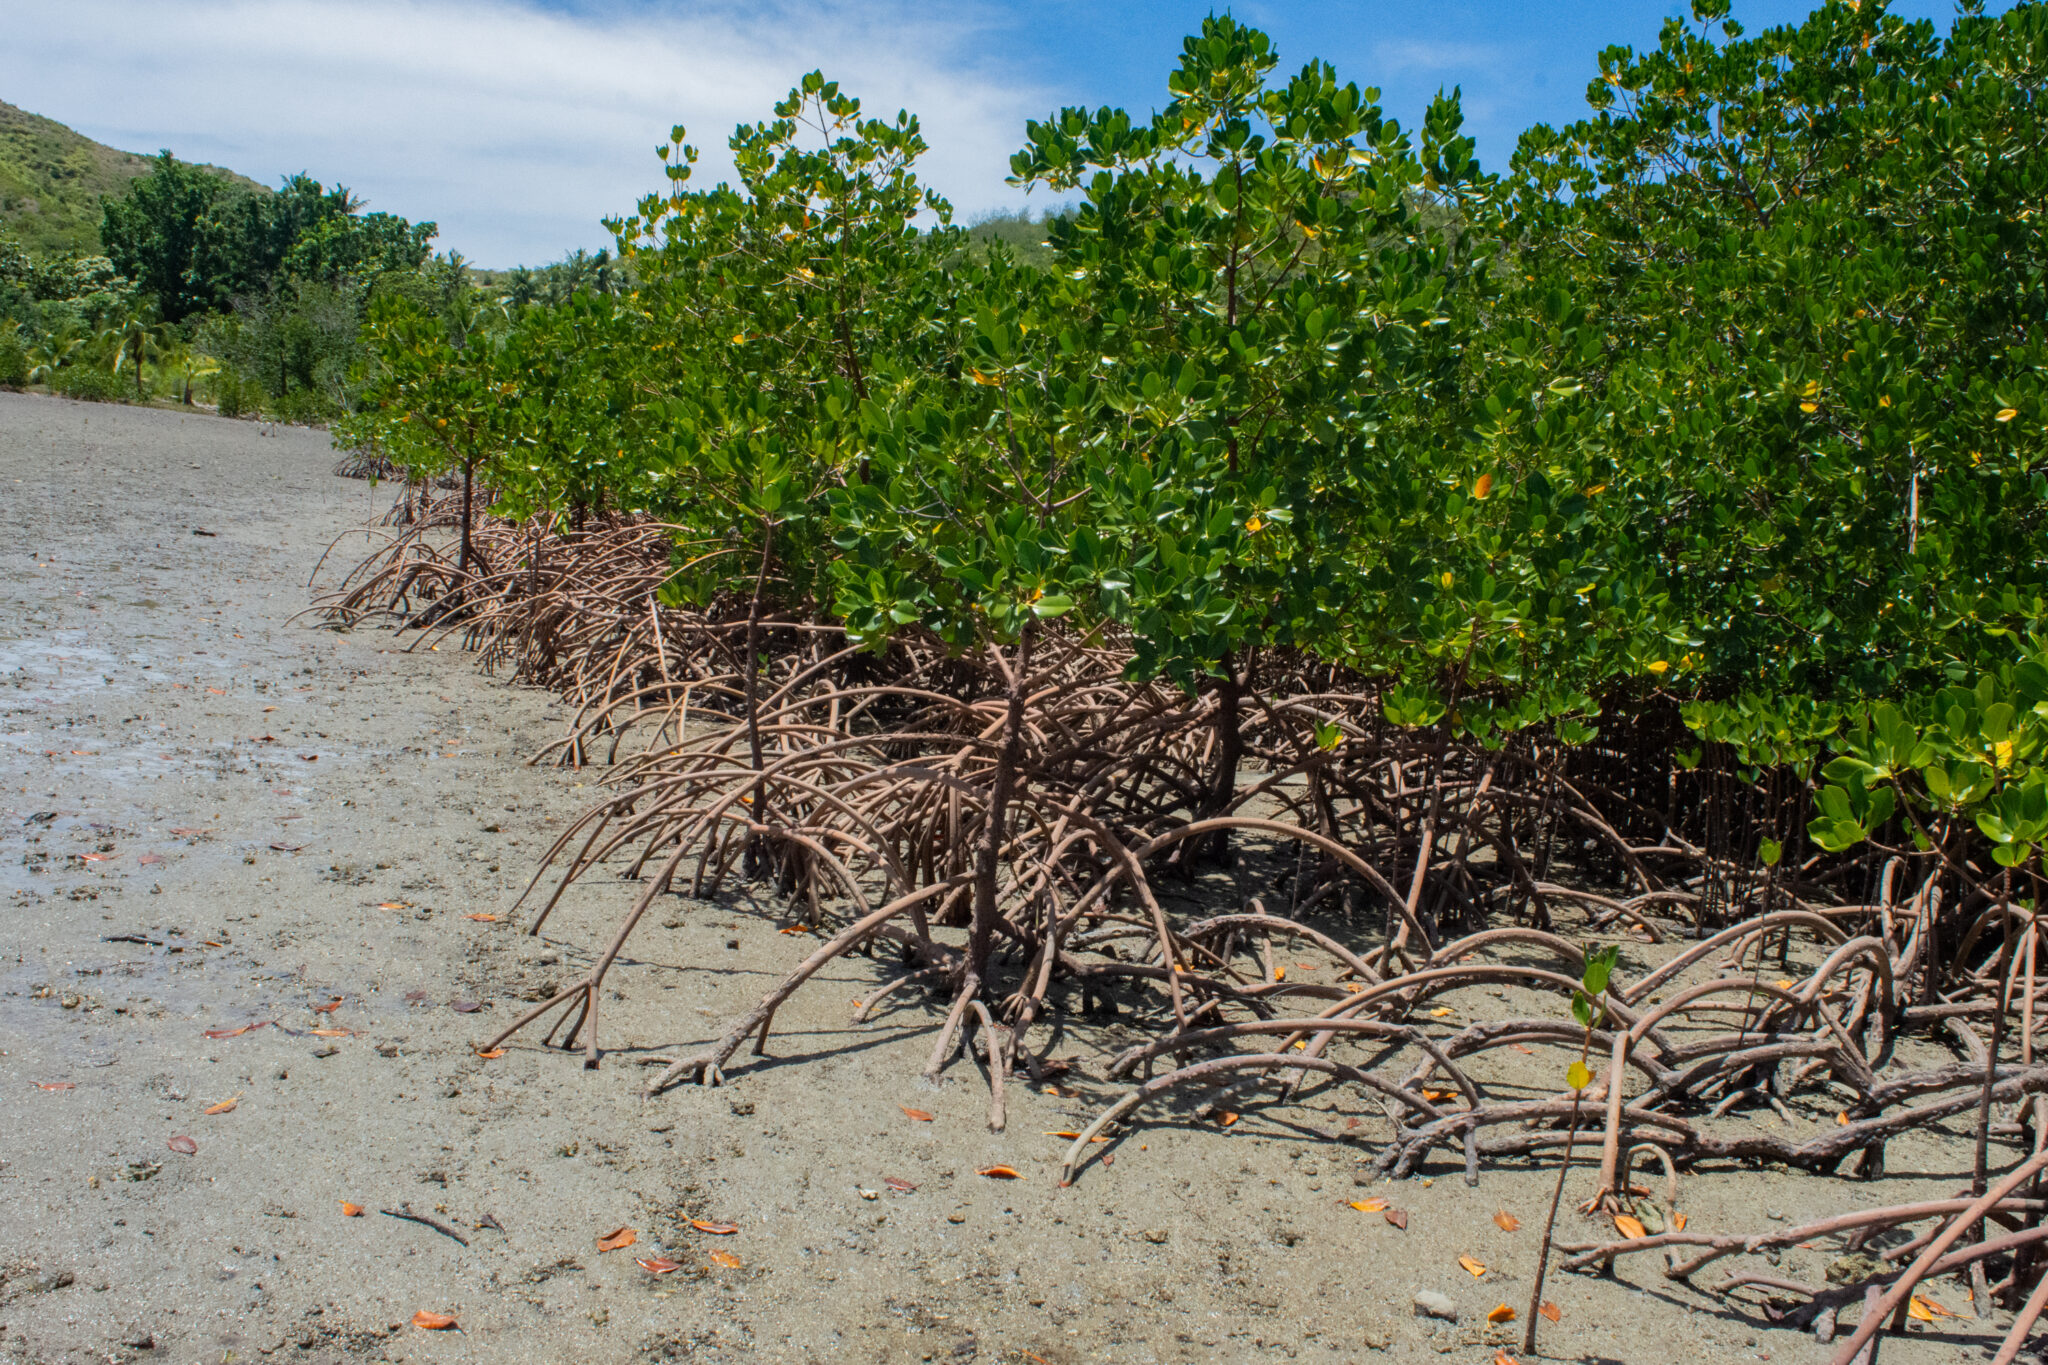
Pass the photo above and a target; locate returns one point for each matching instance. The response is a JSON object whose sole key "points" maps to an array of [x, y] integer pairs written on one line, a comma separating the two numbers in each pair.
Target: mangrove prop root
{"points": [[1329, 922]]}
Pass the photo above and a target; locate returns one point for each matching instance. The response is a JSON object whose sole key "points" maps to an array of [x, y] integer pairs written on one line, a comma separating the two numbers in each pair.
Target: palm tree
{"points": [[139, 336], [51, 354], [189, 365]]}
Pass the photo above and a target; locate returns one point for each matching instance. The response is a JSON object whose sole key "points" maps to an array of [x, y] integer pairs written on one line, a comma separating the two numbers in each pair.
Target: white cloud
{"points": [[1410, 56], [513, 127]]}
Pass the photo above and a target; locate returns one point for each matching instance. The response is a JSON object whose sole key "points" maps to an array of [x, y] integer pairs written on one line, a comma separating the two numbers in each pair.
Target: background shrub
{"points": [[13, 361], [91, 383]]}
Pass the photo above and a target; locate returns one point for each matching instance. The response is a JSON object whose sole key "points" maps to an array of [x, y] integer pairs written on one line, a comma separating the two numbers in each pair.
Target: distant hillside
{"points": [[1017, 229], [52, 181]]}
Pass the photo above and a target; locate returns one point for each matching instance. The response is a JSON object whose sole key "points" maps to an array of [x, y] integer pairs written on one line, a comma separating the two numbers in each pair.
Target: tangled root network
{"points": [[1163, 851]]}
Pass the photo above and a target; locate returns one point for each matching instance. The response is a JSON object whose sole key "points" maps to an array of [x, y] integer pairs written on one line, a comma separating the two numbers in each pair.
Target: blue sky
{"points": [[517, 124], [1517, 63]]}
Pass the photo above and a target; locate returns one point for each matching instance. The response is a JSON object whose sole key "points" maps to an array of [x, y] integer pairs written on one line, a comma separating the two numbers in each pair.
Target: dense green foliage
{"points": [[197, 242], [1729, 395], [1799, 315], [214, 287]]}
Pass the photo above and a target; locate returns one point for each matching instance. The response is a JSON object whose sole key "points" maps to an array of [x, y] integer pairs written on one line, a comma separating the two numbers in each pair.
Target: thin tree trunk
{"points": [[754, 647], [462, 555], [988, 847], [753, 686], [1980, 1175], [1229, 755], [1549, 1225]]}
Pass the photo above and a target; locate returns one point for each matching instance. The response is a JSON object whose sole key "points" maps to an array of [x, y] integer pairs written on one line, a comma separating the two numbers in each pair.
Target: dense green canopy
{"points": [[1730, 395]]}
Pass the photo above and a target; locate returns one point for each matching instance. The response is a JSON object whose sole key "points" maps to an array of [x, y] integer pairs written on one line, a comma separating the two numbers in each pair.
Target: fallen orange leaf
{"points": [[1627, 1226], [483, 919], [492, 1055], [328, 1008], [1064, 1134], [1935, 1308], [715, 1229], [1678, 1222], [1227, 1119], [349, 1210], [1442, 1013], [431, 1322], [617, 1239], [1551, 1311], [224, 1107], [917, 1115], [724, 1258], [658, 1265], [1501, 1314], [392, 905], [795, 929], [1917, 1308], [898, 1184], [1433, 1096], [1000, 1173], [1507, 1222], [330, 1033], [1472, 1267], [218, 691], [1369, 1205], [1503, 1358], [56, 1085]]}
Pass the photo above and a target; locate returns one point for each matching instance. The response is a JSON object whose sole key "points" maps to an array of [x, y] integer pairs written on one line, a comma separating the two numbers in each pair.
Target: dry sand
{"points": [[183, 763]]}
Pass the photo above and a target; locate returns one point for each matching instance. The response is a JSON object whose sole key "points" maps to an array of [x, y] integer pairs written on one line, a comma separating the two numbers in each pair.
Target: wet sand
{"points": [[213, 815]]}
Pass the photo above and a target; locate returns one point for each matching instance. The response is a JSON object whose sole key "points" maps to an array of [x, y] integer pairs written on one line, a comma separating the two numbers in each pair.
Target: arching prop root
{"points": [[1141, 857]]}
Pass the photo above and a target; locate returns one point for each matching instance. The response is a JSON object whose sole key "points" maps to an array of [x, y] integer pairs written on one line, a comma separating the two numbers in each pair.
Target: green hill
{"points": [[52, 180]]}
